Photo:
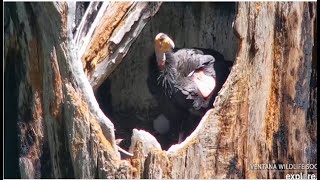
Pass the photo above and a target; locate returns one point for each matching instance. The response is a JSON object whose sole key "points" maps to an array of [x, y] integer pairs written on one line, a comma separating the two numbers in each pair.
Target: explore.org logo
{"points": [[300, 176], [308, 171]]}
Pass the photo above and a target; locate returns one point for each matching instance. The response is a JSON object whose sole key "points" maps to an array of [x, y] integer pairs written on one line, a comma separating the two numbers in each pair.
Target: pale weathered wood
{"points": [[26, 168], [158, 166], [265, 113], [142, 143], [110, 36], [260, 116], [55, 101]]}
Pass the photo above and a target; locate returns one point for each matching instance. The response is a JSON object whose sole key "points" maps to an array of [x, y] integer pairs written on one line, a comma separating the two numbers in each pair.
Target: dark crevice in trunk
{"points": [[81, 8], [65, 158], [11, 90], [45, 160], [311, 121]]}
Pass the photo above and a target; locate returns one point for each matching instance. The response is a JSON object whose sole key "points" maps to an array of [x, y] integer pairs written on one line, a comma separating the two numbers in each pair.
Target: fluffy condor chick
{"points": [[188, 79]]}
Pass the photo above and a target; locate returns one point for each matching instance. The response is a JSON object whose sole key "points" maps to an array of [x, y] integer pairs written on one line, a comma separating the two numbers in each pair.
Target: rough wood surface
{"points": [[142, 143], [261, 114], [266, 112], [110, 36], [59, 119]]}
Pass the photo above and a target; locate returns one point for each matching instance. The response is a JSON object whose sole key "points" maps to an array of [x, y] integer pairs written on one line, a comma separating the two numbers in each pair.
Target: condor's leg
{"points": [[187, 126]]}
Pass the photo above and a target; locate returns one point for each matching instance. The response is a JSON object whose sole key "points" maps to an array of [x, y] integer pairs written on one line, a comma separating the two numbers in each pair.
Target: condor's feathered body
{"points": [[173, 80], [176, 80], [177, 77]]}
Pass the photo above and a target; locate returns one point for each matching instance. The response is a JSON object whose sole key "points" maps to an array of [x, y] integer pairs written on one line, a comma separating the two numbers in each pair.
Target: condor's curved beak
{"points": [[163, 43]]}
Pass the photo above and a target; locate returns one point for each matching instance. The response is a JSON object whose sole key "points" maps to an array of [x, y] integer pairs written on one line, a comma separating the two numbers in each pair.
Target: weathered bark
{"points": [[260, 116], [110, 36], [265, 113], [55, 103]]}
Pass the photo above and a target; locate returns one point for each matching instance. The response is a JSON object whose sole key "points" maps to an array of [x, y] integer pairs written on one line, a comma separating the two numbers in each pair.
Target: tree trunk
{"points": [[58, 54]]}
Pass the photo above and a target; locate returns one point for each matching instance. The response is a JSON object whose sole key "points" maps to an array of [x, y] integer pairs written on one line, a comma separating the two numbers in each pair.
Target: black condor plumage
{"points": [[188, 79], [180, 74]]}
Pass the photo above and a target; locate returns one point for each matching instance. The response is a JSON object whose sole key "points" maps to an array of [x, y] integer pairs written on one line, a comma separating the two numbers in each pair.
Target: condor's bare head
{"points": [[162, 44]]}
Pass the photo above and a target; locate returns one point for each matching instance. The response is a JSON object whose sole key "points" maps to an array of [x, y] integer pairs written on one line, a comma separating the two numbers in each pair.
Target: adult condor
{"points": [[185, 81]]}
